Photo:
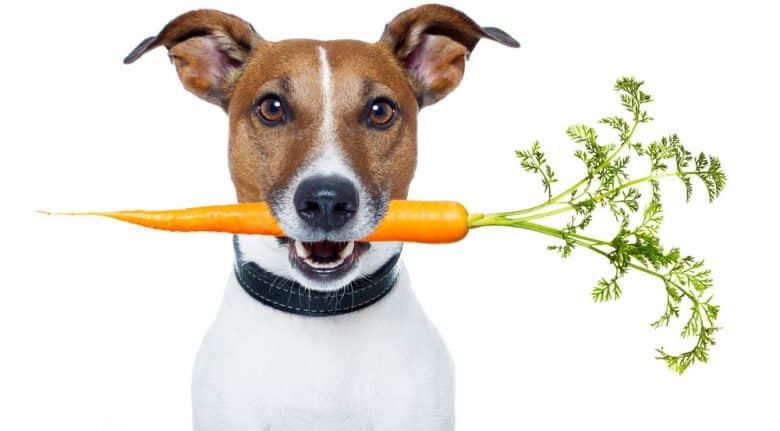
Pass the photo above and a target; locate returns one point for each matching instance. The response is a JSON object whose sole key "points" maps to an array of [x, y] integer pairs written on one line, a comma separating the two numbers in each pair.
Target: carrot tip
{"points": [[59, 213]]}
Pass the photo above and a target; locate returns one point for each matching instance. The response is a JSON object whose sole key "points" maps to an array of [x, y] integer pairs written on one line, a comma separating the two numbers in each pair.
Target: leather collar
{"points": [[288, 295]]}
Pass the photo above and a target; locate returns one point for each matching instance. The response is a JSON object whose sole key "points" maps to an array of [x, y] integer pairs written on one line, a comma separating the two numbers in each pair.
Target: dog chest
{"points": [[382, 367]]}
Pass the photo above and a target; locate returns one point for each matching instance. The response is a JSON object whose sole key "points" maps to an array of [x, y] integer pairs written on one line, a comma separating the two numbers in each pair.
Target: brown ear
{"points": [[208, 48], [432, 42]]}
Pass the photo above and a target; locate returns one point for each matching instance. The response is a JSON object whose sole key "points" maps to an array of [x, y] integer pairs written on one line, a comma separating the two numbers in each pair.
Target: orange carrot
{"points": [[409, 221], [422, 221]]}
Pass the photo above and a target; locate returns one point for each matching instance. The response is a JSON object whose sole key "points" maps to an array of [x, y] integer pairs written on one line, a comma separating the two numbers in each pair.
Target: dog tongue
{"points": [[326, 249]]}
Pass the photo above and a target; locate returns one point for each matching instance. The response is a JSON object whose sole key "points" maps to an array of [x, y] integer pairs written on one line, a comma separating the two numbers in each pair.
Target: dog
{"points": [[319, 331]]}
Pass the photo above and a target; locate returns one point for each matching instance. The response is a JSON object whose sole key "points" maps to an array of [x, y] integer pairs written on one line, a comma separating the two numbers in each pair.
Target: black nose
{"points": [[326, 202]]}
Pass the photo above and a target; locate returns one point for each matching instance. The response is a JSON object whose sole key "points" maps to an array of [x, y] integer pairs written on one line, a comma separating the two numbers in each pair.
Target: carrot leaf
{"points": [[636, 246]]}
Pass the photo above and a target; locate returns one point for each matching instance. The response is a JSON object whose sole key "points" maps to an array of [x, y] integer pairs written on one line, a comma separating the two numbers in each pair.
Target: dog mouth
{"points": [[325, 260]]}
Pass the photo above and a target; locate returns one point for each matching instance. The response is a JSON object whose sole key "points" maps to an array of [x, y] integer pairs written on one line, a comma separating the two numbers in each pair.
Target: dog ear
{"points": [[432, 42], [208, 48]]}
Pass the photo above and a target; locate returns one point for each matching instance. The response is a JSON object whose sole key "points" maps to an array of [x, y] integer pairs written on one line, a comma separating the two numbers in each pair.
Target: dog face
{"points": [[333, 126], [325, 131]]}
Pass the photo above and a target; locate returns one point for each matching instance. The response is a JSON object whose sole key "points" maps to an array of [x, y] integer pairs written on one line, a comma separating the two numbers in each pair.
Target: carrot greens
{"points": [[636, 244]]}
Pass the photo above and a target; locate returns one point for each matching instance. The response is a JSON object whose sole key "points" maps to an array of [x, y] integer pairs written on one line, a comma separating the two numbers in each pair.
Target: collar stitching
{"points": [[307, 292], [309, 310]]}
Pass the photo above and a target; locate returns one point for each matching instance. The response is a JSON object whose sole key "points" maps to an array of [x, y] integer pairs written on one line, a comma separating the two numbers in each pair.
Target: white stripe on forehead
{"points": [[327, 134], [329, 159]]}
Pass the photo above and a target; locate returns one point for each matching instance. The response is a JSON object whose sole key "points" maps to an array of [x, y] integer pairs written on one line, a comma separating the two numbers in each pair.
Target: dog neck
{"points": [[289, 296]]}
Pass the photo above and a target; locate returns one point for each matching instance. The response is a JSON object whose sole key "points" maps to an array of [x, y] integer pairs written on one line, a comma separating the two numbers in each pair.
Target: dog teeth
{"points": [[324, 265], [305, 253], [301, 250], [347, 250]]}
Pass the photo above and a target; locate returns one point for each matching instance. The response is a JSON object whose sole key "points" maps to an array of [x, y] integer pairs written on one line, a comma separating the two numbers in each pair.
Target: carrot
{"points": [[410, 221], [422, 221]]}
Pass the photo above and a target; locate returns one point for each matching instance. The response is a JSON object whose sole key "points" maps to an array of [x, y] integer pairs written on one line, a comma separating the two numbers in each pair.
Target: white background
{"points": [[100, 321]]}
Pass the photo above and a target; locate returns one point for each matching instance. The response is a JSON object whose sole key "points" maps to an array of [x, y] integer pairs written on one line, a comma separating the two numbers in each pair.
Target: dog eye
{"points": [[271, 110], [381, 113]]}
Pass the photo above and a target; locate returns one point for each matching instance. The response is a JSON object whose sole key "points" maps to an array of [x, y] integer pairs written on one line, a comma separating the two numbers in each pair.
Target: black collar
{"points": [[287, 295]]}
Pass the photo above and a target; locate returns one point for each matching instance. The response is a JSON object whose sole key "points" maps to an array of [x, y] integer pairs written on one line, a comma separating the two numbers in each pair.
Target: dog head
{"points": [[325, 131]]}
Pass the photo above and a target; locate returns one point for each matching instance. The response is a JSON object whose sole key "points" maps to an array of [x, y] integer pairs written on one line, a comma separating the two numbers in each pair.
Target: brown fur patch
{"points": [[264, 159], [208, 48], [433, 41]]}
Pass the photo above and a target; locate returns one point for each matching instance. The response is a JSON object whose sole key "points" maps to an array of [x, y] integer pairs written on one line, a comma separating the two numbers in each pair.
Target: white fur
{"points": [[382, 368], [327, 130]]}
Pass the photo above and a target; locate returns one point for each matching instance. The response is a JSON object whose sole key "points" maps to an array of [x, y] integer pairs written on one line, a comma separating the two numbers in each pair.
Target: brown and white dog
{"points": [[317, 331]]}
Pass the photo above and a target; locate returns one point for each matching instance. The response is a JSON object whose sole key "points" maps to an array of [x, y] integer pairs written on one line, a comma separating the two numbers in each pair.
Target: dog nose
{"points": [[326, 202]]}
